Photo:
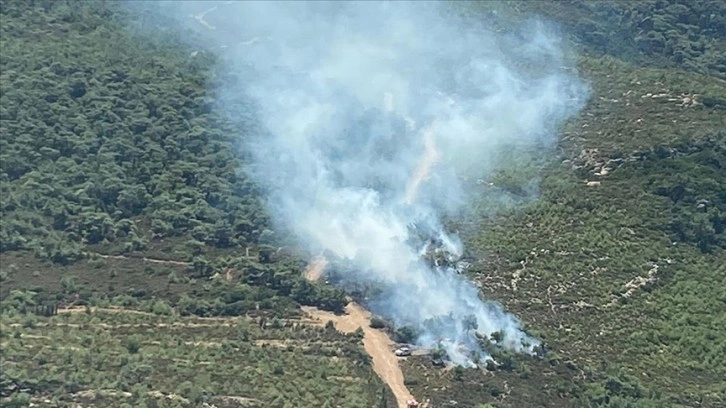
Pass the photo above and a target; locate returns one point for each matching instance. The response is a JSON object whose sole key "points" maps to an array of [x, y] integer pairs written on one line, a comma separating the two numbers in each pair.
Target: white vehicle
{"points": [[403, 351]]}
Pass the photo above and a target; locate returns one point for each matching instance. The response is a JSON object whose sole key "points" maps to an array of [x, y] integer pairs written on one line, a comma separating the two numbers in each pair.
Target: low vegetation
{"points": [[120, 358], [121, 189]]}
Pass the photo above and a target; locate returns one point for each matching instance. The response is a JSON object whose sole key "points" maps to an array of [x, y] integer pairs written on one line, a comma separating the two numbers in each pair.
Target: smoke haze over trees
{"points": [[125, 181], [354, 100]]}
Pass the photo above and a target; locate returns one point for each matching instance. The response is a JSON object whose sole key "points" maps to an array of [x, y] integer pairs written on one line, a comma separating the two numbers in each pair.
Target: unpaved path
{"points": [[152, 260], [423, 170], [200, 17], [376, 343], [195, 321], [93, 309], [128, 325]]}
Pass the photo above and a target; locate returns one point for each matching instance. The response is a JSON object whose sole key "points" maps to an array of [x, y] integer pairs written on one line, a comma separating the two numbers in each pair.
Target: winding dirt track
{"points": [[423, 170], [376, 343], [144, 259]]}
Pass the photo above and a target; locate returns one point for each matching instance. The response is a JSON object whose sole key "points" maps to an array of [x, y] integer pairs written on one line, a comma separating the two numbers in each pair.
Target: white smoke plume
{"points": [[372, 112]]}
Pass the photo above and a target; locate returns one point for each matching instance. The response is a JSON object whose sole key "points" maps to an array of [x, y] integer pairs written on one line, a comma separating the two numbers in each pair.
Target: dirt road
{"points": [[376, 343], [152, 260], [423, 170]]}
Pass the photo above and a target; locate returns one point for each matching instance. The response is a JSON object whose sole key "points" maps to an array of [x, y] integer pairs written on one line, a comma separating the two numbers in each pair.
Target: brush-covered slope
{"points": [[110, 153]]}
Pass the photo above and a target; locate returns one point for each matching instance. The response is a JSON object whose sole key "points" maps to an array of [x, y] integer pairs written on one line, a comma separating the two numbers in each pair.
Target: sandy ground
{"points": [[375, 342]]}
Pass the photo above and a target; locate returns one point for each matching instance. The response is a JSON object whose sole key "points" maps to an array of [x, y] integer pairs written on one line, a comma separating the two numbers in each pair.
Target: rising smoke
{"points": [[372, 112]]}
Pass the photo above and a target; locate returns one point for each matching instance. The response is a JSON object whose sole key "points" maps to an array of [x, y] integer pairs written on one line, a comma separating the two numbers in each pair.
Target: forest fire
{"points": [[361, 149]]}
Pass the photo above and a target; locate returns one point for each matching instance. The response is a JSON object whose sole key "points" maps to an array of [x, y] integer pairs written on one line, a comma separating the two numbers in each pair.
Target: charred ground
{"points": [[109, 146]]}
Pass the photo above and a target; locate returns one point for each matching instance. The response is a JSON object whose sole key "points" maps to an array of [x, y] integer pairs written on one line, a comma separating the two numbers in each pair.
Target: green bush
{"points": [[378, 323]]}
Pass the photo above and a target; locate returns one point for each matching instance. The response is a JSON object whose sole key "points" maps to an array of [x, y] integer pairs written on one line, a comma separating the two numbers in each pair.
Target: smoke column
{"points": [[371, 113]]}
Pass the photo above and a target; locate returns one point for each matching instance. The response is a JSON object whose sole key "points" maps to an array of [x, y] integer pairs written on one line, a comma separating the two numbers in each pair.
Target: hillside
{"points": [[121, 189]]}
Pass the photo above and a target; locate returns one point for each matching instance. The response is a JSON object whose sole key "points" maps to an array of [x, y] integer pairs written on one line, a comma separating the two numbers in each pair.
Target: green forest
{"points": [[122, 196]]}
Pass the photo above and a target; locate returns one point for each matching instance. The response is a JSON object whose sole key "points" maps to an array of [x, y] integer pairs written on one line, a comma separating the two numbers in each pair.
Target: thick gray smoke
{"points": [[372, 114]]}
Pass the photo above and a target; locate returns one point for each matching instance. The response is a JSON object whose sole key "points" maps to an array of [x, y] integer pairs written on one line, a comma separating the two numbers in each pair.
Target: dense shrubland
{"points": [[680, 34], [103, 139], [110, 145]]}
